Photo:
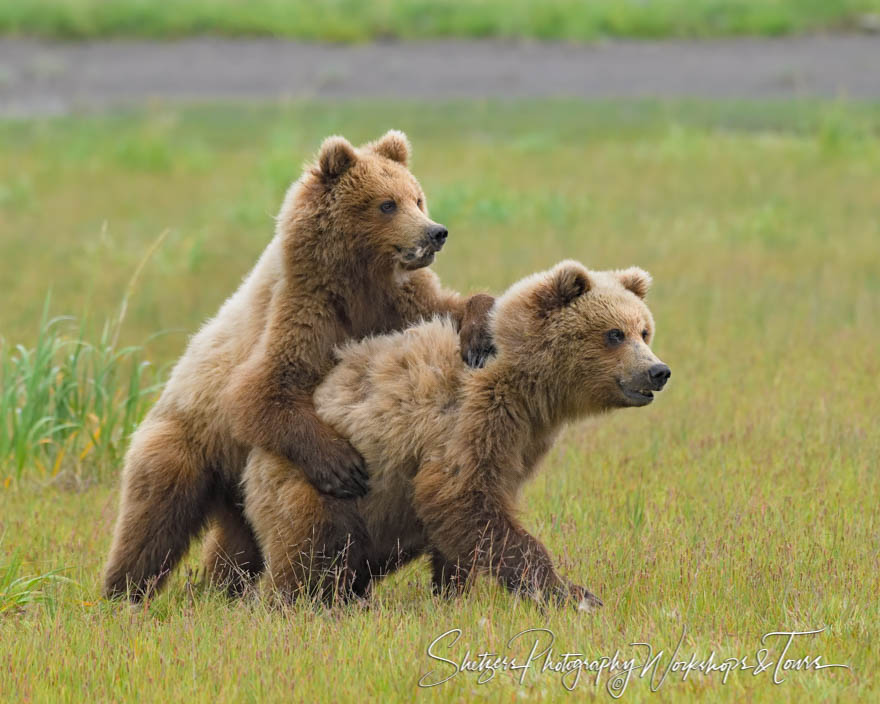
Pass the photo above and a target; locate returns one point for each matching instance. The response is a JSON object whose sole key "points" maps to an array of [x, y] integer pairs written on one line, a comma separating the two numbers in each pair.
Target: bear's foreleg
{"points": [[422, 297], [474, 530], [448, 579], [270, 402]]}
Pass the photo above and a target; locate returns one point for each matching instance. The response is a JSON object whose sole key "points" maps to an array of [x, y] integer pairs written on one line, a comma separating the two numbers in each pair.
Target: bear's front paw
{"points": [[478, 356], [475, 337], [340, 472], [565, 593], [583, 599]]}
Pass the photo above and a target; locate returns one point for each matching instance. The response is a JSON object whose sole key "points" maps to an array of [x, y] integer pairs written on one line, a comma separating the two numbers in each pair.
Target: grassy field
{"points": [[743, 501], [351, 20]]}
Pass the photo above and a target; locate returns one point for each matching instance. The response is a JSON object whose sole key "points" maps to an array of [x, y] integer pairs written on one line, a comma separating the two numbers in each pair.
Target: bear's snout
{"points": [[639, 389], [659, 374], [437, 235]]}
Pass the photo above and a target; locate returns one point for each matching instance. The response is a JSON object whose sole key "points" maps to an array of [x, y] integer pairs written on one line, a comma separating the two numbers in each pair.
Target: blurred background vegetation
{"points": [[355, 20]]}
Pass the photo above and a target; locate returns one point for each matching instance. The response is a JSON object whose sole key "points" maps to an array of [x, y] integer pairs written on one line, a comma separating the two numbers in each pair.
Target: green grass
{"points": [[744, 500], [18, 591], [352, 20], [67, 406]]}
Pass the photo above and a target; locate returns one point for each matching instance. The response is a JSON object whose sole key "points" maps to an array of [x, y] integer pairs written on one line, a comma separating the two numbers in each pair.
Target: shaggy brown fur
{"points": [[449, 447], [348, 260]]}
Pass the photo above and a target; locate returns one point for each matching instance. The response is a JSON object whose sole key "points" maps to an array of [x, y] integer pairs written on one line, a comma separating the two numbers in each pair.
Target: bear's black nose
{"points": [[659, 375], [437, 235]]}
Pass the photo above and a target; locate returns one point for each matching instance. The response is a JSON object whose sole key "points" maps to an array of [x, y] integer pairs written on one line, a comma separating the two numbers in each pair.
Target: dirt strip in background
{"points": [[45, 78]]}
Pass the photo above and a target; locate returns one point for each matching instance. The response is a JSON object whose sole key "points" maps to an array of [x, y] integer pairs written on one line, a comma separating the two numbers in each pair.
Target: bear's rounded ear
{"points": [[566, 282], [636, 280], [393, 145], [336, 157]]}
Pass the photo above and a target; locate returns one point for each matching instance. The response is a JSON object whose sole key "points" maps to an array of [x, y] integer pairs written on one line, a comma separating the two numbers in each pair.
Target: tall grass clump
{"points": [[68, 404], [18, 591]]}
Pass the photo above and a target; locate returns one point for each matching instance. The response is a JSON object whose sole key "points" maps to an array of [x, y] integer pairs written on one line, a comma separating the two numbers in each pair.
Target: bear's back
{"points": [[395, 396]]}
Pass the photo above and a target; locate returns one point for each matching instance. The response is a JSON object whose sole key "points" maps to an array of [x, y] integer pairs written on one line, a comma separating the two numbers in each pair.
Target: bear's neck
{"points": [[535, 408]]}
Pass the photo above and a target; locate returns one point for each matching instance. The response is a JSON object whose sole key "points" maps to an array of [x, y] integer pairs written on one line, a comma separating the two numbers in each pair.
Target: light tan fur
{"points": [[340, 267], [449, 447]]}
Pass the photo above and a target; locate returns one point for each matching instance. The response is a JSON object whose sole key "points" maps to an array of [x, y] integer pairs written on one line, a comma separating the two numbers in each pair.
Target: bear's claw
{"points": [[477, 358], [475, 336], [343, 475]]}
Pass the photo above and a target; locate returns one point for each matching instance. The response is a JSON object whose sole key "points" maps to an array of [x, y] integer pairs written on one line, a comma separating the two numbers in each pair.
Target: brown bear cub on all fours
{"points": [[449, 447], [348, 260]]}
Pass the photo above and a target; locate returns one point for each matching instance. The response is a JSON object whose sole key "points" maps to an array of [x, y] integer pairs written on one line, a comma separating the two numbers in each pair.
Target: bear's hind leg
{"points": [[232, 558], [166, 490], [313, 545]]}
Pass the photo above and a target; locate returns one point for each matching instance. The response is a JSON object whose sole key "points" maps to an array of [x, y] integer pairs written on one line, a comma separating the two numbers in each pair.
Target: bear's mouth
{"points": [[636, 397], [417, 257]]}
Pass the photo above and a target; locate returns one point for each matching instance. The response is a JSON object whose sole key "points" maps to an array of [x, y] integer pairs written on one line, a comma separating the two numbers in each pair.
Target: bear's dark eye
{"points": [[388, 207], [615, 337], [645, 335], [419, 202]]}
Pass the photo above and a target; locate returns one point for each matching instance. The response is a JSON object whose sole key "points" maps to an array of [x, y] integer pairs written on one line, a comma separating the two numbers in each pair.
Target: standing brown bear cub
{"points": [[449, 447], [348, 260]]}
